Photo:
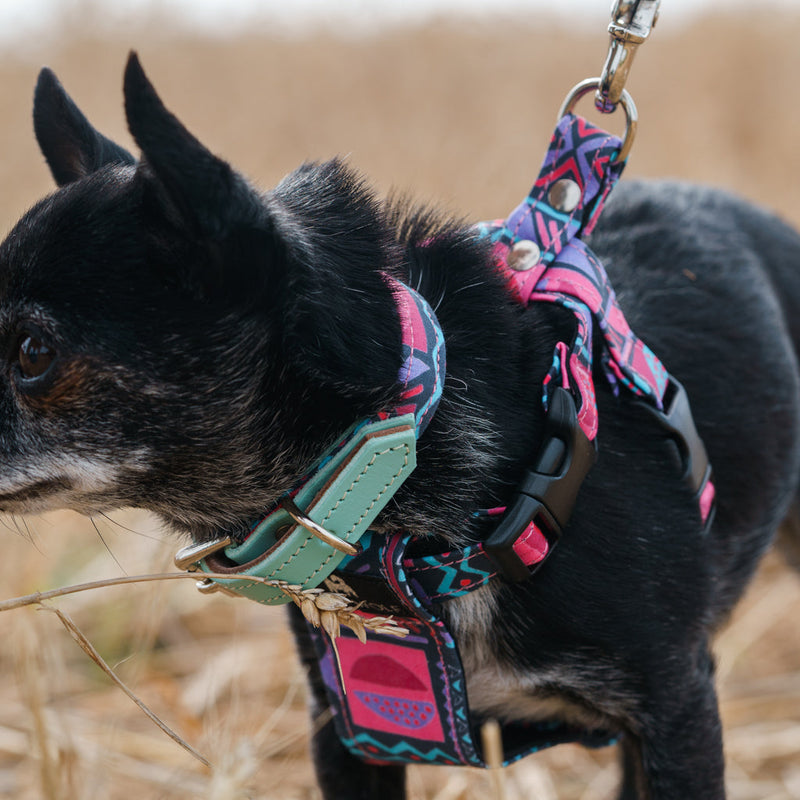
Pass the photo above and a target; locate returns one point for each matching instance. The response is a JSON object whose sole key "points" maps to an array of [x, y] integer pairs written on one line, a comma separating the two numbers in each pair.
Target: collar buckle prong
{"points": [[291, 508]]}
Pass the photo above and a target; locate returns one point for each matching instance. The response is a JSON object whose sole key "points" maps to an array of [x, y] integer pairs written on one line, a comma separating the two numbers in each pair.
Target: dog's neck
{"points": [[349, 484]]}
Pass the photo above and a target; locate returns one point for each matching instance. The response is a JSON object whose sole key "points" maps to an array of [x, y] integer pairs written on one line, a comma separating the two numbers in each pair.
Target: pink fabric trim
{"points": [[531, 546], [707, 500]]}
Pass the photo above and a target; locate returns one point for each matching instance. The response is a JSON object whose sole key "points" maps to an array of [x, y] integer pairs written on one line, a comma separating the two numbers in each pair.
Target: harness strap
{"points": [[444, 576], [578, 172], [401, 701], [578, 281], [405, 700], [540, 252]]}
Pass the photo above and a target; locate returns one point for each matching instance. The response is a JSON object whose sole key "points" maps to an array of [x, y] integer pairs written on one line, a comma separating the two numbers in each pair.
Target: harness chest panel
{"points": [[401, 701]]}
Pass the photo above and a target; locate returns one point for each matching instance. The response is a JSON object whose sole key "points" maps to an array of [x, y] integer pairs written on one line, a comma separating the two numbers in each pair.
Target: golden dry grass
{"points": [[459, 115]]}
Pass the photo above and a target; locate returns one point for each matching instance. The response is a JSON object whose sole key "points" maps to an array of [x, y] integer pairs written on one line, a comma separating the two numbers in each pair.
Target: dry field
{"points": [[460, 115]]}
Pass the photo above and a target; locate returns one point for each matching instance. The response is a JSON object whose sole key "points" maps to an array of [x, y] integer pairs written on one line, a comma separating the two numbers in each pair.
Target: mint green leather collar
{"points": [[344, 499]]}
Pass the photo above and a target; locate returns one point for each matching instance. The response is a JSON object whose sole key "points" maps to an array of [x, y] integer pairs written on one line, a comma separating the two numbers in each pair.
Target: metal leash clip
{"points": [[631, 23]]}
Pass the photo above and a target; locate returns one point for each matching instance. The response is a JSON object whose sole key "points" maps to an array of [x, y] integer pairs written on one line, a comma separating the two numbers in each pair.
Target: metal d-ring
{"points": [[290, 507], [187, 557], [631, 114]]}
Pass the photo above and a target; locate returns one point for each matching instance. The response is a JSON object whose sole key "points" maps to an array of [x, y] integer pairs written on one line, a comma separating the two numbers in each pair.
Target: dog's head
{"points": [[174, 339]]}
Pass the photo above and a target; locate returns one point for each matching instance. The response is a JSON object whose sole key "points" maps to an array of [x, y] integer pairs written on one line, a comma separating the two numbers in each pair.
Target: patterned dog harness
{"points": [[405, 700]]}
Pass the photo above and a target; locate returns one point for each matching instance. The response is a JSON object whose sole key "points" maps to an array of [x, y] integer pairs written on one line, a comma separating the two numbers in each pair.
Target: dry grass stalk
{"points": [[456, 788], [39, 597], [89, 649], [492, 740], [328, 610], [31, 673], [752, 625]]}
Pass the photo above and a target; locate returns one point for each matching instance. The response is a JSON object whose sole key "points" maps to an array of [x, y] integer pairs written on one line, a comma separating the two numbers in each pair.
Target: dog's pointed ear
{"points": [[69, 143], [208, 194]]}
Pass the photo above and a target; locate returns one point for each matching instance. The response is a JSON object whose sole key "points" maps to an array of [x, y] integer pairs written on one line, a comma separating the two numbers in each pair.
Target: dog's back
{"points": [[713, 285]]}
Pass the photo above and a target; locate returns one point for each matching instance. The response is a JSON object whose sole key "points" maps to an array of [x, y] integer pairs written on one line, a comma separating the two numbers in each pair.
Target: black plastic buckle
{"points": [[547, 493], [676, 419]]}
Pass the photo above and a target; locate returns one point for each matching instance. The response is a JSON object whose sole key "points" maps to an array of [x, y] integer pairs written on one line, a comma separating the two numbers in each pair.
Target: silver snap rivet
{"points": [[524, 255], [564, 195]]}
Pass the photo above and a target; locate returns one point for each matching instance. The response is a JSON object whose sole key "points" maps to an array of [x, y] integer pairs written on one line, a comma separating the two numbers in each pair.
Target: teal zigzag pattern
{"points": [[402, 752]]}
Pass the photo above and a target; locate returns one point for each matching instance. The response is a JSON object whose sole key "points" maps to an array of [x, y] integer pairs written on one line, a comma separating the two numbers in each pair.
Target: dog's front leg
{"points": [[341, 776], [634, 786], [678, 736]]}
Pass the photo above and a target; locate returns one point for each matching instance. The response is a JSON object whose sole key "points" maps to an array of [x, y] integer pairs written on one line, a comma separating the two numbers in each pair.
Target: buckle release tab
{"points": [[547, 493]]}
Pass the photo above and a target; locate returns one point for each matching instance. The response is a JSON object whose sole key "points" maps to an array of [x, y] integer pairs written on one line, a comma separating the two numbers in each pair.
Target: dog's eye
{"points": [[34, 356]]}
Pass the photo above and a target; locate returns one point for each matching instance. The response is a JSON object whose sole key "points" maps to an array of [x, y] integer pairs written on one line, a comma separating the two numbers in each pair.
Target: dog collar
{"points": [[319, 523]]}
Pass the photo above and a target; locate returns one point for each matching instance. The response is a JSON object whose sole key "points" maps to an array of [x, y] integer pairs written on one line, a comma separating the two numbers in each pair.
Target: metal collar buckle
{"points": [[290, 507], [187, 558]]}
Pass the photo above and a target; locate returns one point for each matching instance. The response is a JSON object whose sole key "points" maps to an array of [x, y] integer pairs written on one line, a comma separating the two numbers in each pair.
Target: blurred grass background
{"points": [[457, 114]]}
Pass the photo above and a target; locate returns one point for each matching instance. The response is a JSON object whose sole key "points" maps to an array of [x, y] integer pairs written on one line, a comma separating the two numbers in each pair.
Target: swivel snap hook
{"points": [[631, 24]]}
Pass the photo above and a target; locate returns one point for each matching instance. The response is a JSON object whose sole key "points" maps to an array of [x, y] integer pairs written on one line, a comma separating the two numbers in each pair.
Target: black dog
{"points": [[177, 341]]}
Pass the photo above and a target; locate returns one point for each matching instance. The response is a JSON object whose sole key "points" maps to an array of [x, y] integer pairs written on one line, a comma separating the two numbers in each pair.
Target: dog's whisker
{"points": [[6, 525], [19, 524], [144, 535], [466, 288], [108, 549]]}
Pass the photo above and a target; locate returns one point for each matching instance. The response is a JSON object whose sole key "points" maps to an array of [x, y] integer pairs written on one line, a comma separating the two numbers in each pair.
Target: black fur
{"points": [[211, 341]]}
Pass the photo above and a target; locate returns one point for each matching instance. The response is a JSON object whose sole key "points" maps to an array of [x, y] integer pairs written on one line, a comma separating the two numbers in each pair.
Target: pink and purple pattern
{"points": [[423, 369], [581, 153], [569, 274], [404, 700]]}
